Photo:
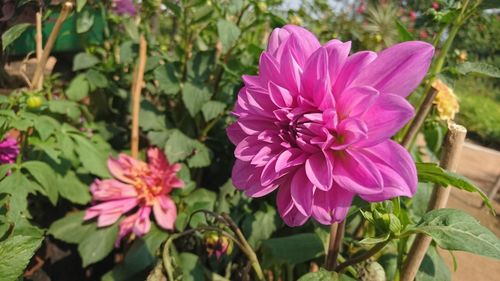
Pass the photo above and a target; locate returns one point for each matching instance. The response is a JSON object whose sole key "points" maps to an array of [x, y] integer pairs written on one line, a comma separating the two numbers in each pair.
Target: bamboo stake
{"points": [[136, 96], [39, 46], [449, 160], [67, 7], [336, 236], [419, 119]]}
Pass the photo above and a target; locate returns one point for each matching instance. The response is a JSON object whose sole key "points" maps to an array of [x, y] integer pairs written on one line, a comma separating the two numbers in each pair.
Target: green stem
{"points": [[364, 256]]}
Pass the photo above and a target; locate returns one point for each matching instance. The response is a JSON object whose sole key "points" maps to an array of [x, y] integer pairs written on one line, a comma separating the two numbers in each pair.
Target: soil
{"points": [[482, 166]]}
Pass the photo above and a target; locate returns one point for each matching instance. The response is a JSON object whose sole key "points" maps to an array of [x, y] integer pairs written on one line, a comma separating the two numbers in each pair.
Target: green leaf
{"points": [[480, 68], [212, 109], [128, 50], [291, 249], [72, 228], [97, 245], [96, 79], [80, 4], [71, 188], [325, 275], [228, 33], [84, 21], [200, 157], [45, 126], [178, 146], [13, 33], [456, 230], [92, 159], [433, 267], [260, 226], [65, 107], [191, 266], [150, 118], [200, 199], [84, 61], [431, 172], [131, 28], [194, 97], [404, 34], [15, 254], [78, 88], [168, 81], [44, 174]]}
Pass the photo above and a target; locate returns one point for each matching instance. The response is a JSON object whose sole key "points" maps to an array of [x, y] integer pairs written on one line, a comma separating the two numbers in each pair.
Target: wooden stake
{"points": [[136, 96], [449, 160], [39, 46], [67, 7], [336, 236]]}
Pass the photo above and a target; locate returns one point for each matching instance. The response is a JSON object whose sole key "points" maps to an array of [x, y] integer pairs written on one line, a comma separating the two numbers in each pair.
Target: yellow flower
{"points": [[462, 56], [446, 102], [218, 244], [294, 19]]}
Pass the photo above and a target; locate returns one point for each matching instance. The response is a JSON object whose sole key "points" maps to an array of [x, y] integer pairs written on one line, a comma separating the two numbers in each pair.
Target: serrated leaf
{"points": [[431, 172], [150, 118], [44, 174], [194, 97], [291, 249], [13, 33], [45, 126], [65, 107], [260, 226], [96, 79], [479, 68], [71, 188], [168, 82], [84, 21], [15, 254], [228, 33], [78, 88], [191, 267], [200, 157], [92, 159], [458, 231], [433, 267], [84, 61], [72, 228], [212, 109], [98, 244]]}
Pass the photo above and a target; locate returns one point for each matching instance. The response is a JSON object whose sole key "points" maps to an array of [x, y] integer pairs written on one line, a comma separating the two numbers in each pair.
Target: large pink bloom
{"points": [[9, 150], [316, 124], [138, 186]]}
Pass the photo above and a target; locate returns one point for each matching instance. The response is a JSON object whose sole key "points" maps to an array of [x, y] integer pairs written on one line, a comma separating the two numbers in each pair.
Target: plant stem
{"points": [[366, 255], [336, 236]]}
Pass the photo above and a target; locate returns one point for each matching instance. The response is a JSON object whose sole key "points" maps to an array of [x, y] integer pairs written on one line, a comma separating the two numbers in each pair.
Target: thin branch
{"points": [[336, 236], [136, 96], [364, 256]]}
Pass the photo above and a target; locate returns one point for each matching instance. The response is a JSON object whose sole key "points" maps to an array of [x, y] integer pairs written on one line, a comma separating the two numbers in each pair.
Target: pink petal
{"points": [[280, 96], [315, 75], [349, 132], [398, 69], [235, 133], [356, 173], [286, 207], [126, 226], [353, 65], [121, 167], [337, 56], [165, 212], [143, 222], [355, 101], [111, 189], [397, 169], [319, 170], [109, 212], [302, 191], [386, 116], [331, 206]]}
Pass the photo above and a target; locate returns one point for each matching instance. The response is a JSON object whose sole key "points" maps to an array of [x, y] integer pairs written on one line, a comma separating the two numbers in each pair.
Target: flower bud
{"points": [[34, 102], [218, 244]]}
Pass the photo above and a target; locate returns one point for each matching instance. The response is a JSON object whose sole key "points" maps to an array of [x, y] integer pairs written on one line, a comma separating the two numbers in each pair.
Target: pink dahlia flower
{"points": [[138, 187], [316, 124], [8, 150]]}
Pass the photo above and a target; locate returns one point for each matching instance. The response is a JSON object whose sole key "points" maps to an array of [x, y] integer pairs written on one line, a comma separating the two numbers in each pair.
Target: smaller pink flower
{"points": [[9, 150], [413, 16], [124, 7], [435, 5], [136, 189]]}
